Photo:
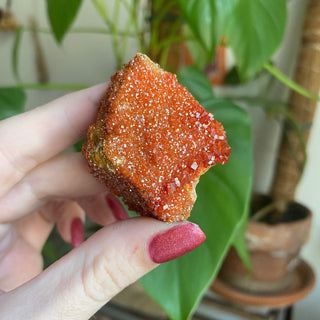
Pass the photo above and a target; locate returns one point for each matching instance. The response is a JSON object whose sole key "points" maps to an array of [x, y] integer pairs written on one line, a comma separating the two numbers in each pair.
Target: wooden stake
{"points": [[291, 153]]}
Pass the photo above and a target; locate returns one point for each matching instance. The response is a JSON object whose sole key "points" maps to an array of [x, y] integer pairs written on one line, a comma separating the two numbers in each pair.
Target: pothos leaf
{"points": [[254, 29]]}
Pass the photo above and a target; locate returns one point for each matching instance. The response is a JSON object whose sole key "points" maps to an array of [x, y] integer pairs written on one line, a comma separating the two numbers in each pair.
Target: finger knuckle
{"points": [[102, 280]]}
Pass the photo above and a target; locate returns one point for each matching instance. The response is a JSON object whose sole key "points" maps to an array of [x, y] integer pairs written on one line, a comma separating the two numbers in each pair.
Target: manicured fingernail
{"points": [[175, 242], [77, 232], [116, 207]]}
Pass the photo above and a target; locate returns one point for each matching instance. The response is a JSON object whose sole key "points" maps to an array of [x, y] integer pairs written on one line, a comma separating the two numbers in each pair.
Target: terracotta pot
{"points": [[273, 249]]}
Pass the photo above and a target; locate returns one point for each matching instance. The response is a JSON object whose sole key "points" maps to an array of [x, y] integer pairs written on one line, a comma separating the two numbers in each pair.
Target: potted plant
{"points": [[279, 226], [224, 192]]}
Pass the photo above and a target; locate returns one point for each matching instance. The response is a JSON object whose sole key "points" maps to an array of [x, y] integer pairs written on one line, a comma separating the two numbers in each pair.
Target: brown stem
{"points": [[42, 71], [276, 209]]}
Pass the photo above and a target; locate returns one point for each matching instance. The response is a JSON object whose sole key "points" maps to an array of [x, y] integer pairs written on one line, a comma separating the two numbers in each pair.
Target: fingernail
{"points": [[77, 232], [175, 242], [116, 207]]}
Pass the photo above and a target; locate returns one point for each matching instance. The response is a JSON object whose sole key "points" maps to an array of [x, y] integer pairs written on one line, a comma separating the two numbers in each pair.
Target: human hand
{"points": [[40, 186]]}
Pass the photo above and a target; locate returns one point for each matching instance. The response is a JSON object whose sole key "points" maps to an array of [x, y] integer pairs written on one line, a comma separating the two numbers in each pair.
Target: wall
{"points": [[88, 59], [308, 190]]}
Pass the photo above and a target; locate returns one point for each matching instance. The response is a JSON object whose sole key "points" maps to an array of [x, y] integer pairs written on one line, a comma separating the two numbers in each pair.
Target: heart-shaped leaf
{"points": [[61, 15], [223, 195], [11, 102], [253, 29]]}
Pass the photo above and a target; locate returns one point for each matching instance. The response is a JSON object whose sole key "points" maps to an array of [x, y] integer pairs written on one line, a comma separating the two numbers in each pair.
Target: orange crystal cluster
{"points": [[152, 140]]}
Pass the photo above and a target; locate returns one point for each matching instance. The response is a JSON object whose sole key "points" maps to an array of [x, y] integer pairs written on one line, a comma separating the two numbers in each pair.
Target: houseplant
{"points": [[279, 225], [223, 193]]}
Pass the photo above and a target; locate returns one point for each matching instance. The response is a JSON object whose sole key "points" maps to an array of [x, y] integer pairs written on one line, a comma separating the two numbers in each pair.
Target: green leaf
{"points": [[254, 29], [61, 14], [193, 78], [198, 53], [224, 10], [15, 53], [11, 102], [223, 196], [199, 16], [78, 146], [240, 244]]}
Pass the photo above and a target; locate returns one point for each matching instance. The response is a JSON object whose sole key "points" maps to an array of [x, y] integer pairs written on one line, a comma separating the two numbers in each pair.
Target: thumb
{"points": [[80, 283]]}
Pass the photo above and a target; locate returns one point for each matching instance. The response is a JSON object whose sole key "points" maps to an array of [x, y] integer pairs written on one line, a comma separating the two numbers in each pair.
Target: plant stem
{"points": [[138, 33], [90, 30], [278, 207], [51, 86], [123, 43], [114, 24], [291, 84]]}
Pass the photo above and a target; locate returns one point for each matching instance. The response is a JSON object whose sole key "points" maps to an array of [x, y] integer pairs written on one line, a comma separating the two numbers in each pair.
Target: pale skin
{"points": [[40, 186]]}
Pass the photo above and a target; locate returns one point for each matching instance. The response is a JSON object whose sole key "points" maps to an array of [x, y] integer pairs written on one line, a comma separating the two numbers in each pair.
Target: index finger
{"points": [[35, 136]]}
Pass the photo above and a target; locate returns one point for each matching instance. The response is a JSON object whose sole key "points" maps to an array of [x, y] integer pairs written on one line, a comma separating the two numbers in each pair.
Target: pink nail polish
{"points": [[116, 207], [77, 232], [175, 242]]}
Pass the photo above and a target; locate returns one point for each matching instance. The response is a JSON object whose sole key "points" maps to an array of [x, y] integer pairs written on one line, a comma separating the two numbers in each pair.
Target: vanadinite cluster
{"points": [[152, 140]]}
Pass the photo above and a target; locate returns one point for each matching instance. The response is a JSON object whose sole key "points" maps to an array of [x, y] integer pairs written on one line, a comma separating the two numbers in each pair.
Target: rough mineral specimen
{"points": [[152, 140]]}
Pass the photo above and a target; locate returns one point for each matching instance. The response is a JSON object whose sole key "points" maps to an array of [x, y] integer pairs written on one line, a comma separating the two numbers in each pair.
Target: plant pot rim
{"points": [[284, 236]]}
